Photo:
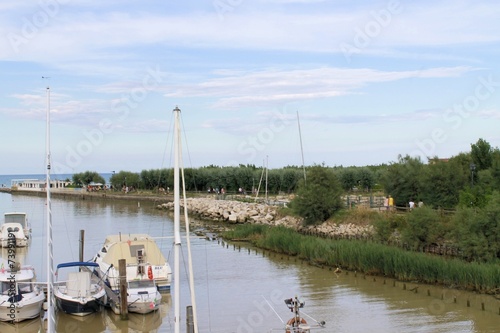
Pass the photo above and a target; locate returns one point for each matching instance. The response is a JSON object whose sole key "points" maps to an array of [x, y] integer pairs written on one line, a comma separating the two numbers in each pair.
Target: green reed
{"points": [[373, 258]]}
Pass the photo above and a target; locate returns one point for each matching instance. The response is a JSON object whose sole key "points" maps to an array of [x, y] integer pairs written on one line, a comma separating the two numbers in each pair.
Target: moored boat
{"points": [[19, 217], [143, 296], [144, 259], [20, 296], [12, 235], [82, 293]]}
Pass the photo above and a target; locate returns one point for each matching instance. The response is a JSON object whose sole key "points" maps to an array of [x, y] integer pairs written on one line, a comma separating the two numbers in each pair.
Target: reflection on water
{"points": [[103, 321], [236, 286], [138, 323], [29, 326]]}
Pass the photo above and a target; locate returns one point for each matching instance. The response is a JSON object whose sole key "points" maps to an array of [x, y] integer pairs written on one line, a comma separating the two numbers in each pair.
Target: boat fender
{"points": [[150, 273]]}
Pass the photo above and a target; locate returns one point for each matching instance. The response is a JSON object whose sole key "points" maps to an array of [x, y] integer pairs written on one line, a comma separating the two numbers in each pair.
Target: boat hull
{"points": [[143, 307], [77, 308], [17, 312]]}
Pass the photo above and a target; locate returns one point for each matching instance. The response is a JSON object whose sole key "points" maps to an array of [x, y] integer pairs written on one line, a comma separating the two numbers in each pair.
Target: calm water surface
{"points": [[235, 286]]}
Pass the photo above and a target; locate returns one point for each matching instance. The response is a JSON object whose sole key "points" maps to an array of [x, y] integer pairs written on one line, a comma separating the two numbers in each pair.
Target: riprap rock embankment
{"points": [[232, 211]]}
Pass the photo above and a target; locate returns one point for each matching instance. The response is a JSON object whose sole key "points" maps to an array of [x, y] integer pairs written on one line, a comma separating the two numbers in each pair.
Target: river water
{"points": [[237, 285]]}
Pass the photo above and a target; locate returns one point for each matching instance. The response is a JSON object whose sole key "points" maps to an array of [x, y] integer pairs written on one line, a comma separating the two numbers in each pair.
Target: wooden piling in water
{"points": [[82, 242], [122, 269]]}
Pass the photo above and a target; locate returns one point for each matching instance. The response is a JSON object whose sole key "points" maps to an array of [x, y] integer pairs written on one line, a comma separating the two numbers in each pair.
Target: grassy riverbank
{"points": [[374, 259]]}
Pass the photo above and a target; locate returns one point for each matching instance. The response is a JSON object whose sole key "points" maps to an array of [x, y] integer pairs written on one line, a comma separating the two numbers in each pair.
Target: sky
{"points": [[262, 82]]}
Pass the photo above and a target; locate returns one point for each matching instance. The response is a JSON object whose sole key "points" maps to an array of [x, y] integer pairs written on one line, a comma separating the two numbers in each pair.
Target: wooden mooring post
{"points": [[81, 247], [122, 269], [189, 319]]}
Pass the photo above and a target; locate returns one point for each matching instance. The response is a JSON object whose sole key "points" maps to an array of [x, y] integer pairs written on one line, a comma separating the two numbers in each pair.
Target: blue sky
{"points": [[369, 80]]}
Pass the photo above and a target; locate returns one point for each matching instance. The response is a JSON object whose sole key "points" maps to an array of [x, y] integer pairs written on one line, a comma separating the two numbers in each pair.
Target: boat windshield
{"points": [[5, 288], [25, 287], [141, 284]]}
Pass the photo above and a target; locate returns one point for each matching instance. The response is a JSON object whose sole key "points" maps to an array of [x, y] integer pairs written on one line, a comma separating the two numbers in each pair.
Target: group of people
{"points": [[389, 203], [411, 204]]}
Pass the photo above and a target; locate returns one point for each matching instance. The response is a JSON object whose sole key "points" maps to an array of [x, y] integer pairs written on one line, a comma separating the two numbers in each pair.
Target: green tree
{"points": [[318, 198], [481, 153], [124, 179], [423, 228], [87, 177], [290, 179], [402, 179], [366, 179], [495, 170], [347, 177], [477, 231], [441, 183]]}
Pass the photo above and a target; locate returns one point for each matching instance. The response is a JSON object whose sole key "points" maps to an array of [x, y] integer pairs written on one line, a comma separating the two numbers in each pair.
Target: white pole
{"points": [[267, 168], [51, 322], [190, 256], [177, 234], [301, 148]]}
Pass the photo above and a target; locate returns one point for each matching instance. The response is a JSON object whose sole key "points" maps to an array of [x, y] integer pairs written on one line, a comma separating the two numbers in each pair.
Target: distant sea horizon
{"points": [[6, 180]]}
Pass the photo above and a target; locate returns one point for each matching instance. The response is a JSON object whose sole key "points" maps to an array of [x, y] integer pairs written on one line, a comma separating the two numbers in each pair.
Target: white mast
{"points": [[177, 233], [190, 257], [267, 168], [51, 322], [301, 149]]}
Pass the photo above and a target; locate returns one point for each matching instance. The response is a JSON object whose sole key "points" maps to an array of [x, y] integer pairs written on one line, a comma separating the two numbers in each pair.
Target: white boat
{"points": [[12, 235], [82, 293], [144, 259], [19, 217], [143, 296], [20, 296]]}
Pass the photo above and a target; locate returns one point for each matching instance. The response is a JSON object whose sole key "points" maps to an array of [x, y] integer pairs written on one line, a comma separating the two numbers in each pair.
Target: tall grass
{"points": [[373, 258]]}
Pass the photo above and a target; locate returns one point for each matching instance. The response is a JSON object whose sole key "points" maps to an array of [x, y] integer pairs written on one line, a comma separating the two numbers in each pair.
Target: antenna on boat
{"points": [[51, 323]]}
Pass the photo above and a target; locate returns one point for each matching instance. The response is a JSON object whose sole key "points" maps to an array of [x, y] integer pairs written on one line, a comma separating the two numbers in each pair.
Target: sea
{"points": [[6, 180]]}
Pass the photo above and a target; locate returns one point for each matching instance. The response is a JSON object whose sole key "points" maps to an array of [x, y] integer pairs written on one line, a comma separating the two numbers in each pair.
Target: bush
{"points": [[318, 198], [422, 228]]}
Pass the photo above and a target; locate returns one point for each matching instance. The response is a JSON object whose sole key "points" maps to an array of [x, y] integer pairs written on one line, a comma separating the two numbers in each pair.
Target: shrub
{"points": [[319, 197]]}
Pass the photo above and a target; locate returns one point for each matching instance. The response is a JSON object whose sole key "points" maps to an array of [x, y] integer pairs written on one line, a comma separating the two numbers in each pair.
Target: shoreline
{"points": [[218, 209], [100, 195]]}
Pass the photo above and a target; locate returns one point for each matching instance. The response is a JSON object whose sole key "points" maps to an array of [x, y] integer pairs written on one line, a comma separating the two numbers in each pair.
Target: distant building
{"points": [[438, 160], [36, 185]]}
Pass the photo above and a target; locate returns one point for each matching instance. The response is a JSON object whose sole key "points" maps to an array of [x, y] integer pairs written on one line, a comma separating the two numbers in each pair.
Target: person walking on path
{"points": [[391, 203]]}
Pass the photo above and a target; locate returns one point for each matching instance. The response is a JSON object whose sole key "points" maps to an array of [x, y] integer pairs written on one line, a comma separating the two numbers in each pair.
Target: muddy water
{"points": [[241, 289]]}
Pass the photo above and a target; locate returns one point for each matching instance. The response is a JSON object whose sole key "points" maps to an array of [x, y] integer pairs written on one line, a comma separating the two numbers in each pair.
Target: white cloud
{"points": [[76, 33], [277, 87]]}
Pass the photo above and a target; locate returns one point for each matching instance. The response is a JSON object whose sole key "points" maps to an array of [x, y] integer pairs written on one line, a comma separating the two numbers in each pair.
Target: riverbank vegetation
{"points": [[463, 180], [373, 258], [459, 219]]}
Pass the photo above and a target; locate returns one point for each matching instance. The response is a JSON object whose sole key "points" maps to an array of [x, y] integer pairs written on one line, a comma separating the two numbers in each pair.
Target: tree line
{"points": [[468, 184], [466, 179]]}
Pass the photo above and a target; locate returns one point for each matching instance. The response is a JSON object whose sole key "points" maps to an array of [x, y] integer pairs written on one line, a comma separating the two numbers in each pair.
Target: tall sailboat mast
{"points": [[301, 148], [177, 232], [190, 255], [178, 168], [51, 323]]}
